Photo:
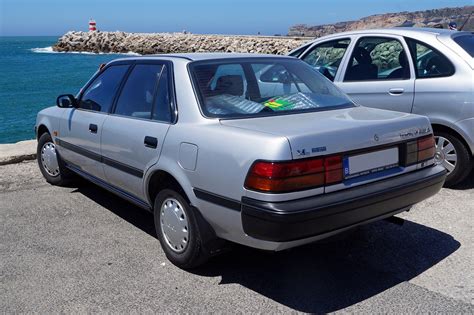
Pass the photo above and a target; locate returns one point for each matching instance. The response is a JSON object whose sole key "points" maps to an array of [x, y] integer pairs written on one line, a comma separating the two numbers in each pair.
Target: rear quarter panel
{"points": [[224, 156]]}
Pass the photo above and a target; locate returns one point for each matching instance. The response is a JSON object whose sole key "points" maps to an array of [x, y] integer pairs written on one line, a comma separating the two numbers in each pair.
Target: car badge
{"points": [[376, 138]]}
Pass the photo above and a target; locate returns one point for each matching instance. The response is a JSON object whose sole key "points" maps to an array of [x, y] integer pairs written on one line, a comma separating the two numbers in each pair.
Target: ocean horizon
{"points": [[33, 75]]}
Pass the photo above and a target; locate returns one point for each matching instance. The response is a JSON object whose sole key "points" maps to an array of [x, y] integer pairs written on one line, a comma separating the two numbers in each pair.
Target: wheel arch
{"points": [[41, 129], [160, 179]]}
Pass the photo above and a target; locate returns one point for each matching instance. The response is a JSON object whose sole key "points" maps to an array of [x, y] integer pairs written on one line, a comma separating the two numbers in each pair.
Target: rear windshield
{"points": [[237, 88], [466, 42]]}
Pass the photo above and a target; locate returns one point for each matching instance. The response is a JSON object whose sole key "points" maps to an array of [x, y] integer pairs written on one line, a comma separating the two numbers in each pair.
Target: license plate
{"points": [[369, 163]]}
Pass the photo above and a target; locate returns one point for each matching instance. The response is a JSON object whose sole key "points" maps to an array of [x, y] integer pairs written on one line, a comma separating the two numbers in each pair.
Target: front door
{"points": [[133, 136], [81, 128], [379, 74]]}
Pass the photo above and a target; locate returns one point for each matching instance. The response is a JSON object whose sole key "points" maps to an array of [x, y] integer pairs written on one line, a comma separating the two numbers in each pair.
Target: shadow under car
{"points": [[322, 277]]}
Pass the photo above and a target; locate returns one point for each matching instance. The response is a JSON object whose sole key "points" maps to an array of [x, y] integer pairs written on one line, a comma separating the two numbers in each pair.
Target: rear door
{"points": [[379, 73], [81, 128], [134, 133]]}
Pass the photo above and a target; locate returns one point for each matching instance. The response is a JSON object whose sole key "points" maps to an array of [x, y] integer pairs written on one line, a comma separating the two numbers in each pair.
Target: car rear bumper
{"points": [[309, 217]]}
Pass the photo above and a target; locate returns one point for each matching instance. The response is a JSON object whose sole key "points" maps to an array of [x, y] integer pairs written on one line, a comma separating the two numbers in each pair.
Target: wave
{"points": [[49, 50]]}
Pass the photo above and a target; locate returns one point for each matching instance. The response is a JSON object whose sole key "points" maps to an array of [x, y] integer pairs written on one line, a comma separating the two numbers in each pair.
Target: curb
{"points": [[18, 159], [12, 153]]}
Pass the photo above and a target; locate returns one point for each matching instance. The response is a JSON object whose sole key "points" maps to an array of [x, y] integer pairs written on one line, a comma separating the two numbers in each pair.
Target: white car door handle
{"points": [[396, 91]]}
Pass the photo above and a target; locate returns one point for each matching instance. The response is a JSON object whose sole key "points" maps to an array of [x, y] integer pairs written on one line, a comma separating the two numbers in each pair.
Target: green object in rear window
{"points": [[279, 104]]}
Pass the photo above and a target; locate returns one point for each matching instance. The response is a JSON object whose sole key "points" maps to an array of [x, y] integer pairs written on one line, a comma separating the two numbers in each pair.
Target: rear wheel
{"points": [[178, 231], [49, 161], [454, 156]]}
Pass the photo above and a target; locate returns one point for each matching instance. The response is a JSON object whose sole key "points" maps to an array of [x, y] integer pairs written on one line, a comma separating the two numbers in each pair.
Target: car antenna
{"points": [[465, 22]]}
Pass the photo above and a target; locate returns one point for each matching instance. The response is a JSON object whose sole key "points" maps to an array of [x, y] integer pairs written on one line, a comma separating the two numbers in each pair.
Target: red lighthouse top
{"points": [[92, 26]]}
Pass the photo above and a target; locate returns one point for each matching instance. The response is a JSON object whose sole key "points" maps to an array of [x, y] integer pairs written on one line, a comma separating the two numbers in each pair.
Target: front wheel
{"points": [[49, 161], [454, 156], [178, 230]]}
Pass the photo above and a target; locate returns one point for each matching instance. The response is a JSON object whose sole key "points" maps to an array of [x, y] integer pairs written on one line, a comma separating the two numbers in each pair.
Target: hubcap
{"points": [[174, 225], [49, 160], [445, 154]]}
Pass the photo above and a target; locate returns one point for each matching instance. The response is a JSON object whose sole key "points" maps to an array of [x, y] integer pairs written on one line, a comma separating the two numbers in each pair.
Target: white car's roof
{"points": [[399, 31]]}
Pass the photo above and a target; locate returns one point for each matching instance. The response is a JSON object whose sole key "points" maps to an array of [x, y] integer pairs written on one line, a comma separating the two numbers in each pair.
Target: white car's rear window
{"points": [[466, 42]]}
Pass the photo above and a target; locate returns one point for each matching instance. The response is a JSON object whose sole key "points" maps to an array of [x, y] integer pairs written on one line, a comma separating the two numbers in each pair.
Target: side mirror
{"points": [[66, 101]]}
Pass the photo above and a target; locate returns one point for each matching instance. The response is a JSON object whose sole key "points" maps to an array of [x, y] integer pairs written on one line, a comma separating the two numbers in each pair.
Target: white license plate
{"points": [[369, 163]]}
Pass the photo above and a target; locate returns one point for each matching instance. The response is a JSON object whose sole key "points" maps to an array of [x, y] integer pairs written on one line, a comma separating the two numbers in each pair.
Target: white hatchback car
{"points": [[423, 71]]}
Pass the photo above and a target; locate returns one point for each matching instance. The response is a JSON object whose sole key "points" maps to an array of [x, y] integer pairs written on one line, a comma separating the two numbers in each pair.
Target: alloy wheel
{"points": [[445, 154]]}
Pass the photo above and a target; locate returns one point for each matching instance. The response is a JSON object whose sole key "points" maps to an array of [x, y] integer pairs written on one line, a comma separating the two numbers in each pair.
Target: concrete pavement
{"points": [[82, 249]]}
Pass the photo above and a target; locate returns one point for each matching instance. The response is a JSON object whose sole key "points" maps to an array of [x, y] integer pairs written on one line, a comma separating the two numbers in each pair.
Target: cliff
{"points": [[428, 18]]}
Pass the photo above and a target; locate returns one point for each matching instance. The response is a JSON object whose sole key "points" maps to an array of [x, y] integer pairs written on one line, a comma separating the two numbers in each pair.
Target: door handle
{"points": [[93, 128], [150, 142], [396, 91]]}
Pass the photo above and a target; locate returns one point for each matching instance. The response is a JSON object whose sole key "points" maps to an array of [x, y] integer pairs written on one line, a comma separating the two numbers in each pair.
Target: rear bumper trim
{"points": [[313, 216]]}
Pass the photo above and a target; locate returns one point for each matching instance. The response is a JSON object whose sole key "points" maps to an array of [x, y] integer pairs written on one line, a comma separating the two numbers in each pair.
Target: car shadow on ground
{"points": [[321, 277], [466, 184]]}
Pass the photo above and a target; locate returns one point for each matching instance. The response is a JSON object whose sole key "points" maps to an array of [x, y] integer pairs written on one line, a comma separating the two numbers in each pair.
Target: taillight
{"points": [[420, 150], [290, 176]]}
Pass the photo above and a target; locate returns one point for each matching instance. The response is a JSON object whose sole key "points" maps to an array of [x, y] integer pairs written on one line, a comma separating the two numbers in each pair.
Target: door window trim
{"points": [[356, 42]]}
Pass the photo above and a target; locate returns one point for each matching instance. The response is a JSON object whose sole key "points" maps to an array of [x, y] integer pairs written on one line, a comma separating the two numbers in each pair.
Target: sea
{"points": [[32, 75]]}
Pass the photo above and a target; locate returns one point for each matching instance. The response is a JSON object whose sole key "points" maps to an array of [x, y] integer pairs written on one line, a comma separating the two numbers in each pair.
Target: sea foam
{"points": [[49, 50]]}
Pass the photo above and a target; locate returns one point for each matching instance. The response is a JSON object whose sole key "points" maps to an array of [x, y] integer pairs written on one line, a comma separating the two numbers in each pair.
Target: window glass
{"points": [[378, 58], [273, 86], [466, 42], [100, 94], [161, 109], [299, 51], [429, 62], [229, 77], [136, 98], [327, 57]]}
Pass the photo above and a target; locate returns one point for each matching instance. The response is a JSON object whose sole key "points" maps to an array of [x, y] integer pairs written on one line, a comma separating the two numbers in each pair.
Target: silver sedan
{"points": [[257, 150]]}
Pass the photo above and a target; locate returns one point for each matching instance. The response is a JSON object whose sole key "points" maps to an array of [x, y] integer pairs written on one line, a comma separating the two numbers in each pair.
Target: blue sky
{"points": [[55, 17]]}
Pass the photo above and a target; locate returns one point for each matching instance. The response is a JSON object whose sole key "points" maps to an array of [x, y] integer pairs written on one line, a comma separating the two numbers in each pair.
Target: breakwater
{"points": [[157, 43]]}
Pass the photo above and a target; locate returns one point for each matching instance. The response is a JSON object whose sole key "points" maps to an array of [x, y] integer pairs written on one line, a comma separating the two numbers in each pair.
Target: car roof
{"points": [[399, 31], [201, 56]]}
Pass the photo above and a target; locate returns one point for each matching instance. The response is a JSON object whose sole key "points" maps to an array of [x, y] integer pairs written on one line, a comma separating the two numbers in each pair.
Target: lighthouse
{"points": [[92, 26]]}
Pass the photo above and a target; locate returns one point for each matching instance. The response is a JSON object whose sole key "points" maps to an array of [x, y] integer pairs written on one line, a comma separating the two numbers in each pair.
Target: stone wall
{"points": [[156, 43]]}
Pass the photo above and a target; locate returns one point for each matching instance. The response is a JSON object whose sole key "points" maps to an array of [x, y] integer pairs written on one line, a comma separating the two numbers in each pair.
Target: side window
{"points": [[297, 52], [378, 58], [429, 62], [161, 108], [327, 57], [100, 94], [138, 93]]}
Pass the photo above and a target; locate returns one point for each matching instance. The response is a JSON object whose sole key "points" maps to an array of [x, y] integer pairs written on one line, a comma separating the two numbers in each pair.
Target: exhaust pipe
{"points": [[395, 220]]}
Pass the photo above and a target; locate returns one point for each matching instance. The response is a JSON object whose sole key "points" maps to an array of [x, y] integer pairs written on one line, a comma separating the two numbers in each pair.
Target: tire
{"points": [[463, 163], [50, 163], [179, 231]]}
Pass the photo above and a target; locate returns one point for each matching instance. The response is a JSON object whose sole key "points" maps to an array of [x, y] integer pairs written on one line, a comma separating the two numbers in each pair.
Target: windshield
{"points": [[263, 86], [466, 42]]}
